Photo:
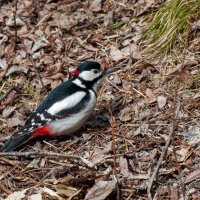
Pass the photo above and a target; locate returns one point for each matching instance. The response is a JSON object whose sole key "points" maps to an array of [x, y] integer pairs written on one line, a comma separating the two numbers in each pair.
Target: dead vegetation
{"points": [[142, 141]]}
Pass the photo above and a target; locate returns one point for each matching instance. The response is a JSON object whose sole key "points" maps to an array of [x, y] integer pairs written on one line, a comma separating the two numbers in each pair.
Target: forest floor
{"points": [[146, 126]]}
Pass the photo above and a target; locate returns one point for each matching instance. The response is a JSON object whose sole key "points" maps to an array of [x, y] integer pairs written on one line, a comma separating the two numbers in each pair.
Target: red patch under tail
{"points": [[42, 131]]}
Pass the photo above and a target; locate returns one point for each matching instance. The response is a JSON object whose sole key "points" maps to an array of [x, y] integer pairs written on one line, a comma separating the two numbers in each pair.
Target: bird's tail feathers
{"points": [[24, 135], [16, 141]]}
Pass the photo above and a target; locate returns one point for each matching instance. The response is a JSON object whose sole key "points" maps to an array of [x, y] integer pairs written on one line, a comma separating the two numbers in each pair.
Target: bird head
{"points": [[90, 71]]}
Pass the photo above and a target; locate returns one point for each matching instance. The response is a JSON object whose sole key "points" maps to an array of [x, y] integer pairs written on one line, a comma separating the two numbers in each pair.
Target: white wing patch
{"points": [[70, 124], [66, 103]]}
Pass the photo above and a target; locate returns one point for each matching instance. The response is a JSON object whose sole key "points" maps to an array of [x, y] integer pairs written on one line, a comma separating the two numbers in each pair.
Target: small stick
{"points": [[48, 154], [114, 150], [113, 139], [3, 188], [164, 151], [15, 23]]}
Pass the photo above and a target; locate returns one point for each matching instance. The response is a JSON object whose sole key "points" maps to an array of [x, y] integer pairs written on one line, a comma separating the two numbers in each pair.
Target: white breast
{"points": [[72, 123]]}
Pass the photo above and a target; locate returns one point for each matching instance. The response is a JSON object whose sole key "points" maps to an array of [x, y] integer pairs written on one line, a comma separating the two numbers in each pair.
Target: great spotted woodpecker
{"points": [[65, 109]]}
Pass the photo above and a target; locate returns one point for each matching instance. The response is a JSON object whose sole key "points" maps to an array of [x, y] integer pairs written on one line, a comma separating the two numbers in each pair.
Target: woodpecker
{"points": [[65, 109]]}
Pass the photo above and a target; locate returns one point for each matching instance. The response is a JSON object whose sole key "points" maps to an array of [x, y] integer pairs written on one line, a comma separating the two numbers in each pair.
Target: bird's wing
{"points": [[59, 104]]}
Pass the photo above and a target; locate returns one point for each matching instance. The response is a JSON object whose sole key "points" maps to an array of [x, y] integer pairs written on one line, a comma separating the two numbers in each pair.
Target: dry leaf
{"points": [[15, 121], [3, 63], [192, 176], [11, 22], [192, 137], [19, 195], [161, 101], [123, 164], [51, 193], [108, 18], [16, 69], [53, 69], [101, 190], [125, 114], [150, 96], [33, 164], [65, 179], [182, 154], [131, 50], [39, 43], [115, 54], [35, 197], [95, 5], [8, 111], [99, 155], [10, 98]]}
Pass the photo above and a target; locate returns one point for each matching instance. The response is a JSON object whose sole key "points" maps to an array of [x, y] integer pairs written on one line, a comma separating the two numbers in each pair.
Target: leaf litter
{"points": [[53, 37]]}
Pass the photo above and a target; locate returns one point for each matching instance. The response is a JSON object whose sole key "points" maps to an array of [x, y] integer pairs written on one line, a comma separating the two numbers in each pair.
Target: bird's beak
{"points": [[110, 70]]}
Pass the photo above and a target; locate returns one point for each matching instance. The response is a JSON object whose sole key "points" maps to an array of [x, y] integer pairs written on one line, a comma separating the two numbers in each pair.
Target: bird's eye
{"points": [[96, 71]]}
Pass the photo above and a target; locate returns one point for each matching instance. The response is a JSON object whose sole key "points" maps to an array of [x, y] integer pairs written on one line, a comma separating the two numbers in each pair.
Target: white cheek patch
{"points": [[89, 75], [66, 103]]}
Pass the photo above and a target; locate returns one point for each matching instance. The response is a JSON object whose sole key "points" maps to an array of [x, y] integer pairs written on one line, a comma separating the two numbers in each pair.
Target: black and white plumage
{"points": [[65, 109]]}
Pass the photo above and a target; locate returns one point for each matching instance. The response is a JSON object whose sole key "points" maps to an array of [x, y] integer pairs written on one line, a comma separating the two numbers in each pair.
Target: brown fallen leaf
{"points": [[53, 69], [95, 5], [162, 100], [16, 69], [11, 23], [10, 98], [8, 111], [108, 18], [3, 63], [101, 190], [123, 164], [115, 54], [15, 121], [18, 195], [99, 155], [86, 46], [150, 96], [56, 76], [40, 42], [131, 50], [192, 176], [35, 197], [125, 114]]}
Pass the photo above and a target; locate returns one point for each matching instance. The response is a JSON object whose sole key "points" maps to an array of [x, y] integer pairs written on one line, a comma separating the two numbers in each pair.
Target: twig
{"points": [[121, 90], [49, 154], [139, 92], [113, 139], [173, 146], [3, 188], [15, 23], [87, 25], [114, 150], [164, 151], [40, 182]]}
